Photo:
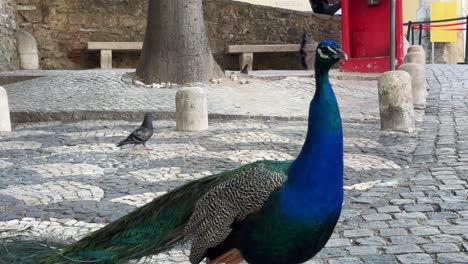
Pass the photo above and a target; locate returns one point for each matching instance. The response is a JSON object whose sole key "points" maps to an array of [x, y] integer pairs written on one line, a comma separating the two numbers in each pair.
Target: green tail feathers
{"points": [[148, 230], [28, 251]]}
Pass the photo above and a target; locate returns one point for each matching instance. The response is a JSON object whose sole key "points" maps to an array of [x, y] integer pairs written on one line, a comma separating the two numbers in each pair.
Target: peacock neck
{"points": [[320, 162]]}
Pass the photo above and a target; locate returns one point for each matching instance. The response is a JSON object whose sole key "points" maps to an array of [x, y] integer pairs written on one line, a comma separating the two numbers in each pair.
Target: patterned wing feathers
{"points": [[230, 201]]}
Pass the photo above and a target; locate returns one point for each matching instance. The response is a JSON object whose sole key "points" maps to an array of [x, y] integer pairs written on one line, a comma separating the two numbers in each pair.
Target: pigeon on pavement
{"points": [[141, 134]]}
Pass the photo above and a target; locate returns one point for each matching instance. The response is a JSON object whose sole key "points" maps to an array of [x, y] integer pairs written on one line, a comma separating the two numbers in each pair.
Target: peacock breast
{"points": [[274, 235]]}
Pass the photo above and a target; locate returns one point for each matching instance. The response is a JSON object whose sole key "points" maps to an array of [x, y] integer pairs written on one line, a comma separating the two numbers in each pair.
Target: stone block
{"points": [[396, 102], [5, 123], [191, 109], [27, 50], [418, 75], [416, 57], [246, 59], [106, 59]]}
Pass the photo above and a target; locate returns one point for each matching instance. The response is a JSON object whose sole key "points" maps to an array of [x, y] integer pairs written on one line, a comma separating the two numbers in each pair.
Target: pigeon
{"points": [[141, 134]]}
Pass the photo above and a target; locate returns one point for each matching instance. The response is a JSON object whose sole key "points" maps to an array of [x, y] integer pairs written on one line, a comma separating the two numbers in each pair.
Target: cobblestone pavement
{"points": [[405, 195], [67, 179], [75, 95]]}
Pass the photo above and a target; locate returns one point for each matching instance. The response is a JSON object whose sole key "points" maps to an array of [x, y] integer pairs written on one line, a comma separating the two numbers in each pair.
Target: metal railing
{"points": [[427, 25]]}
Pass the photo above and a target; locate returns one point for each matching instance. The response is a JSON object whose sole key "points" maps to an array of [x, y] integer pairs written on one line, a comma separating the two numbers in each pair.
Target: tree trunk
{"points": [[176, 47]]}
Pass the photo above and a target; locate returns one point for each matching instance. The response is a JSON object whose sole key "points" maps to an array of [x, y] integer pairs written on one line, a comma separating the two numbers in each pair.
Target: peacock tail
{"points": [[148, 230]]}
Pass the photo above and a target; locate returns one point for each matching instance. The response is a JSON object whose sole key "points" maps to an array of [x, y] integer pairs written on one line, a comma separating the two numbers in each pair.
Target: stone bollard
{"points": [[415, 57], [27, 50], [416, 54], [5, 123], [415, 48], [418, 75], [395, 101], [191, 109]]}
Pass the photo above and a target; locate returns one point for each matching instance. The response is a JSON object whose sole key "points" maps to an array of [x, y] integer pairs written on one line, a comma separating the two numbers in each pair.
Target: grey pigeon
{"points": [[141, 134]]}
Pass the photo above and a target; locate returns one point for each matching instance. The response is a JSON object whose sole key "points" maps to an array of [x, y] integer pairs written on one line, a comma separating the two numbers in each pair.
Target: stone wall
{"points": [[63, 27], [8, 55]]}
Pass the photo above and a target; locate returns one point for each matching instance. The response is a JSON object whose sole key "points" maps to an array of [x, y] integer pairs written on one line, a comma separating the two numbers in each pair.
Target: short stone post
{"points": [[416, 54], [395, 101], [415, 57], [415, 48], [27, 50], [5, 123], [191, 109], [418, 75]]}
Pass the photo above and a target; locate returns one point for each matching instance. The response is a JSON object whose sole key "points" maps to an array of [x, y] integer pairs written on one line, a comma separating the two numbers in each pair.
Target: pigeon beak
{"points": [[341, 54]]}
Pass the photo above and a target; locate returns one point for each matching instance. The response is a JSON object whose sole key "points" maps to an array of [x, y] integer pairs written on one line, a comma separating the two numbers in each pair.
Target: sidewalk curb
{"points": [[68, 116], [26, 117]]}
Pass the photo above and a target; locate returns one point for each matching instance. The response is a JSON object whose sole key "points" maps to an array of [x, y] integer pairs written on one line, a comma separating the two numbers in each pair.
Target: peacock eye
{"points": [[326, 50]]}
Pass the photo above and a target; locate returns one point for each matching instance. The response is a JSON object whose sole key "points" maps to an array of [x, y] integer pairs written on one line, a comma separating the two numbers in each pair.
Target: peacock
{"points": [[263, 212]]}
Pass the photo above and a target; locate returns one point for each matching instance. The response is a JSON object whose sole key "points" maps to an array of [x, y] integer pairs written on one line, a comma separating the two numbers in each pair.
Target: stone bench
{"points": [[106, 49], [246, 51]]}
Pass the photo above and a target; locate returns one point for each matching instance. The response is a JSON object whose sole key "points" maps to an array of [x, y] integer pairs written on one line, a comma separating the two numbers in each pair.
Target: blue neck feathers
{"points": [[316, 176]]}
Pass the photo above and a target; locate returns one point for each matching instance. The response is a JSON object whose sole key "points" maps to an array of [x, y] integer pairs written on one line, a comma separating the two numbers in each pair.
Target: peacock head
{"points": [[328, 53]]}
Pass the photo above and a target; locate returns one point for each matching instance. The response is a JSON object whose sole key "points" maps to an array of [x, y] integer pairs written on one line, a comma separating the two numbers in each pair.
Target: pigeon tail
{"points": [[124, 142]]}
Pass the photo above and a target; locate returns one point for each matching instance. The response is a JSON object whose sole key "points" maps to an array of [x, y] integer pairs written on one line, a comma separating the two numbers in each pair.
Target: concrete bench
{"points": [[106, 49], [246, 51]]}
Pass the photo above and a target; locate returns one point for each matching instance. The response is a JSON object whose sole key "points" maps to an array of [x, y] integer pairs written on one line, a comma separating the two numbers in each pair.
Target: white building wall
{"points": [[301, 5]]}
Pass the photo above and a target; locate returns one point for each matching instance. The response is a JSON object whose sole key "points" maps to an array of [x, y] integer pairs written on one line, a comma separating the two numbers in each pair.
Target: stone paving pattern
{"points": [[405, 194], [68, 93]]}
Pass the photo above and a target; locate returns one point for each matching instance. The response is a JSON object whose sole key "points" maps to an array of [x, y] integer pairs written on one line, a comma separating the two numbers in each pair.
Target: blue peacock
{"points": [[263, 212]]}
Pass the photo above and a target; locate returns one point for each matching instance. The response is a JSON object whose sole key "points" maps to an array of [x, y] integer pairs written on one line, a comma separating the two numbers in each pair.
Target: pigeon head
{"points": [[328, 53], [148, 121]]}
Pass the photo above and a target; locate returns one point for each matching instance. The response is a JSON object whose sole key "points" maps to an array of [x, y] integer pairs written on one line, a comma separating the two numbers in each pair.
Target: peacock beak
{"points": [[341, 54]]}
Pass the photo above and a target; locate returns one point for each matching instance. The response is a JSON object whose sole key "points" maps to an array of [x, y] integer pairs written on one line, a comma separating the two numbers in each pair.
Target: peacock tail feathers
{"points": [[29, 251], [148, 230]]}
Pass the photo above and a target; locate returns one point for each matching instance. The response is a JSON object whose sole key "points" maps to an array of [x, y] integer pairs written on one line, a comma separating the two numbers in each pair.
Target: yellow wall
{"points": [[409, 10], [411, 6]]}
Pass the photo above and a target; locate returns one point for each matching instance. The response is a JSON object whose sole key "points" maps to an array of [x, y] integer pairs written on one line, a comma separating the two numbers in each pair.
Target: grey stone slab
{"points": [[356, 233], [347, 260], [424, 230], [380, 259], [391, 232], [440, 248], [338, 242], [453, 230], [443, 238], [403, 240], [362, 250], [415, 259], [388, 209], [403, 223], [452, 258], [377, 217], [413, 215], [419, 208], [402, 249], [371, 241]]}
